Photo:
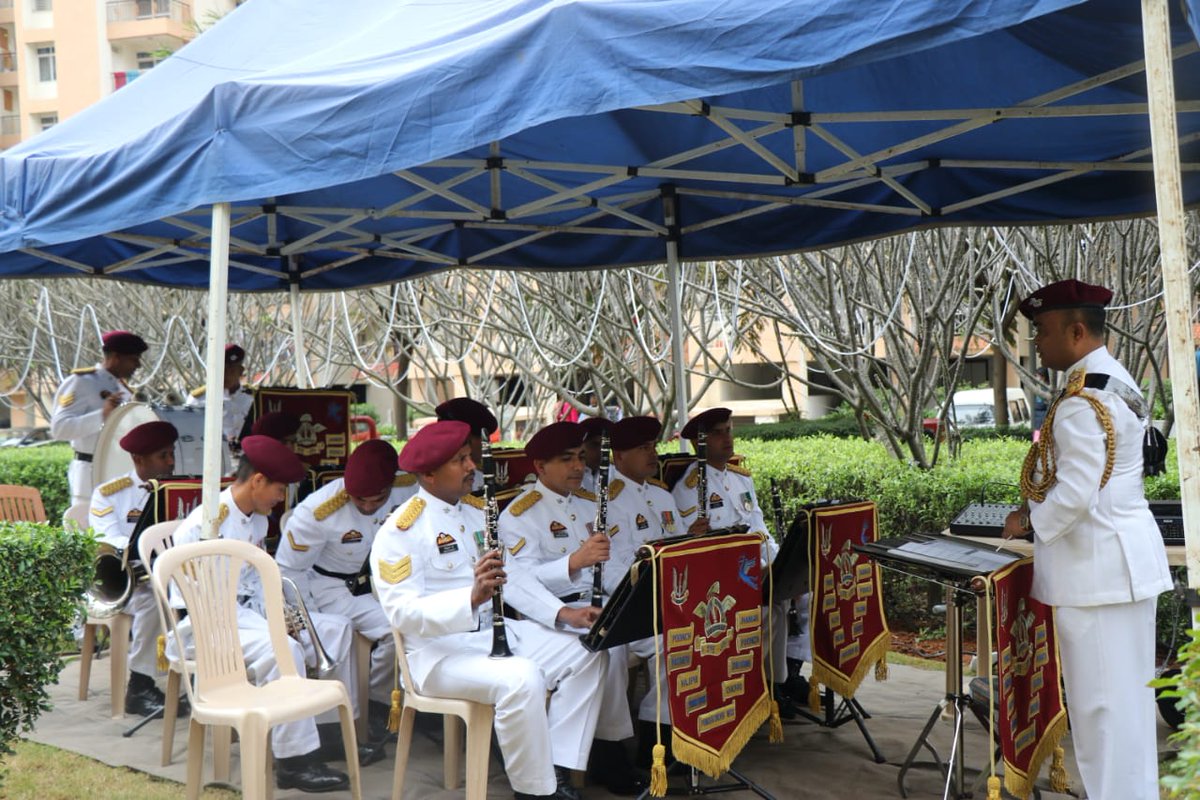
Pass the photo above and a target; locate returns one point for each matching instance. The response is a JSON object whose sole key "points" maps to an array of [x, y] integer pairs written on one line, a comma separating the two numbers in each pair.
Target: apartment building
{"points": [[57, 57]]}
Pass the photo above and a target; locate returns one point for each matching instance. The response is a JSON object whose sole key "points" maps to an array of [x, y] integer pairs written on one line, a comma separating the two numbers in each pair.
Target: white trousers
{"points": [[366, 617], [614, 722], [1108, 660], [534, 735], [79, 478], [143, 651]]}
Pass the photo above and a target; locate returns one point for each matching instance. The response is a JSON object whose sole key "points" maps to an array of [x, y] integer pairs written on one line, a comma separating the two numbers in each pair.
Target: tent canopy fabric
{"points": [[362, 143]]}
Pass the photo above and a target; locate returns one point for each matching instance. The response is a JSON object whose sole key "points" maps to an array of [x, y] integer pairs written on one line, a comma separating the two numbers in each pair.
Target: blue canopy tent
{"points": [[356, 143]]}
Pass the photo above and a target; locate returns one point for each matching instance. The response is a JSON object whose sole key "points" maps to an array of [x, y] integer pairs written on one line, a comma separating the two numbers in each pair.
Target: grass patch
{"points": [[912, 661], [39, 772]]}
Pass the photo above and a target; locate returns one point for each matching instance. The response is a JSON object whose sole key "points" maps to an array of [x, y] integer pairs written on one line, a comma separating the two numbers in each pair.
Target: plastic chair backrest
{"points": [[206, 575], [21, 504], [155, 539]]}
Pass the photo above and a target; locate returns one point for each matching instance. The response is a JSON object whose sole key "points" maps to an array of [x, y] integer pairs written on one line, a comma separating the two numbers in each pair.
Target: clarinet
{"points": [[601, 518], [491, 511], [702, 474], [777, 509]]}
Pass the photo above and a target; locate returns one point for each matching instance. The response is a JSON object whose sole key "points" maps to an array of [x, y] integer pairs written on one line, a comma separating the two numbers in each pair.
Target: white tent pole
{"points": [[676, 298], [1177, 295], [302, 376], [214, 386]]}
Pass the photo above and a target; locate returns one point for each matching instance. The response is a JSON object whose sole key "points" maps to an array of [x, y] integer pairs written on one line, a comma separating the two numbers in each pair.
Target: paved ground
{"points": [[813, 762]]}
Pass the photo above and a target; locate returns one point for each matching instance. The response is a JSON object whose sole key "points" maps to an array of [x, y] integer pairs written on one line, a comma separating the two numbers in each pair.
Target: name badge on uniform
{"points": [[351, 537], [558, 530], [642, 522], [747, 501], [134, 515], [716, 501], [446, 544], [668, 521]]}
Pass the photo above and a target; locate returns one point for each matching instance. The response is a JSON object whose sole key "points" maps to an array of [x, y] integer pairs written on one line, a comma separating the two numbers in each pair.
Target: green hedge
{"points": [[839, 423], [41, 586], [44, 468]]}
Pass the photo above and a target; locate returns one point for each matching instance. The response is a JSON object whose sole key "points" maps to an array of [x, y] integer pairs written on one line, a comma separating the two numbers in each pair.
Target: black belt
{"points": [[571, 598], [342, 576], [83, 456]]}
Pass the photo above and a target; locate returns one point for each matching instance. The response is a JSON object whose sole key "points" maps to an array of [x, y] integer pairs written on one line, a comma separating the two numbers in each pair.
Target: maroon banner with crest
{"points": [[1032, 717], [711, 621], [323, 438], [849, 631]]}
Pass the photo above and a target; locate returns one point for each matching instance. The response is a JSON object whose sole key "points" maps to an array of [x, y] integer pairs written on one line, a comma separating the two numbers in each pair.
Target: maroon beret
{"points": [[123, 343], [149, 437], [275, 424], [633, 432], [234, 354], [370, 468], [472, 412], [433, 446], [273, 458], [594, 426], [705, 419], [554, 439], [1065, 294]]}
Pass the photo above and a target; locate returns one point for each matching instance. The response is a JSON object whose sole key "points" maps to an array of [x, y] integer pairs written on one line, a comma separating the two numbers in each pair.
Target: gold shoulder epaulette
{"points": [[525, 502], [339, 499], [114, 486], [1075, 381], [408, 515], [83, 370], [199, 391], [585, 494], [615, 488], [222, 515], [693, 478], [657, 482], [474, 501], [740, 470], [405, 480]]}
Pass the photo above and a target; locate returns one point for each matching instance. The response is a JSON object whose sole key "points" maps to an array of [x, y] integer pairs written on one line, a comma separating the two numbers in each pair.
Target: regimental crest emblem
{"points": [[716, 501], [352, 537], [558, 530], [642, 522], [714, 610], [1021, 629], [446, 543]]}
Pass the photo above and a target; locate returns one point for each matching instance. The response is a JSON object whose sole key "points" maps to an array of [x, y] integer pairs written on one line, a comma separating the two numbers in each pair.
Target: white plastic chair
{"points": [[477, 717], [206, 575], [119, 627]]}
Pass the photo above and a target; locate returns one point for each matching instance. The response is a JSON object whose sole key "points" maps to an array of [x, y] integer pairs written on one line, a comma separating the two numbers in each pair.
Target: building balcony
{"points": [[6, 12], [10, 130], [8, 69], [137, 19]]}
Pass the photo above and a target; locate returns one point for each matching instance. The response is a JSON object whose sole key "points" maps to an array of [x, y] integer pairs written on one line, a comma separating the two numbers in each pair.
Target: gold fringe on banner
{"points": [[1020, 784], [160, 647], [1058, 773], [814, 696], [775, 736], [713, 762], [881, 669], [394, 712], [846, 686]]}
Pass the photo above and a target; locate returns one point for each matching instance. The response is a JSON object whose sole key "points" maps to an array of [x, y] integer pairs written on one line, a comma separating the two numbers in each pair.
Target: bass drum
{"points": [[110, 461]]}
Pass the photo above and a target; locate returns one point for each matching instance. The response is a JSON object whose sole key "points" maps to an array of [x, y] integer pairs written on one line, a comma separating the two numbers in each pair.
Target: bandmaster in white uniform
{"points": [[479, 419], [236, 402], [86, 399], [327, 544], [1098, 557], [436, 581]]}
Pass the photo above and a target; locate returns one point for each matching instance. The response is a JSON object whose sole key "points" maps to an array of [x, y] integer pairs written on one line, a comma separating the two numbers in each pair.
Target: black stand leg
{"points": [[142, 723], [740, 783], [835, 716]]}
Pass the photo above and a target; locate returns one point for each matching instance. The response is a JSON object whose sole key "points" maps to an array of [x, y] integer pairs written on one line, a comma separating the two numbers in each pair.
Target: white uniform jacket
{"points": [[116, 508], [1092, 545], [637, 513], [78, 406], [327, 533], [423, 569], [731, 501], [541, 529], [233, 411]]}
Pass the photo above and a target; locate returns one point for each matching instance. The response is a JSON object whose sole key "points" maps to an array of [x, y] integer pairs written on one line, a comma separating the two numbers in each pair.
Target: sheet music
{"points": [[941, 552]]}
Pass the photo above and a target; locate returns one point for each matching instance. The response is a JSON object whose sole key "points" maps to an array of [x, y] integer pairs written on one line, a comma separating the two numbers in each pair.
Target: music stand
{"points": [[627, 617], [959, 566]]}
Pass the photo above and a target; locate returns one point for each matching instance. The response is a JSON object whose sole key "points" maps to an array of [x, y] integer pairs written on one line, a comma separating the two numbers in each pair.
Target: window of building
{"points": [[47, 121], [43, 5], [47, 66], [149, 60]]}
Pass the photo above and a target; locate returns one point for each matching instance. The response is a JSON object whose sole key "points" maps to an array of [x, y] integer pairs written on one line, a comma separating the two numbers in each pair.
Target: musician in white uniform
{"points": [[261, 482], [1098, 556], [436, 578], [477, 416], [550, 535], [86, 399], [732, 501], [237, 401], [114, 513], [594, 428], [326, 547]]}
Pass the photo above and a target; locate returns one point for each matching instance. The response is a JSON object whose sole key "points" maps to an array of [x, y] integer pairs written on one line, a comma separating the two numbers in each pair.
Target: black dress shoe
{"points": [[308, 776], [610, 767], [377, 723], [564, 789], [371, 752], [787, 709], [144, 701]]}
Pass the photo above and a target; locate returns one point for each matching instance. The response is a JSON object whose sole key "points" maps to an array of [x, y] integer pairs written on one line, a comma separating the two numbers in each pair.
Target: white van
{"points": [[976, 408]]}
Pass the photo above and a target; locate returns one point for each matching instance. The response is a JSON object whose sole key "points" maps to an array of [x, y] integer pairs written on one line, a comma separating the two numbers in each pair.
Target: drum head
{"points": [[189, 449], [110, 461]]}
